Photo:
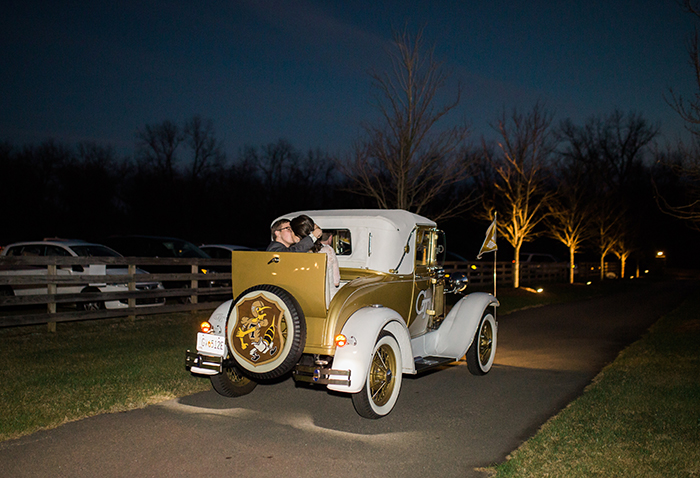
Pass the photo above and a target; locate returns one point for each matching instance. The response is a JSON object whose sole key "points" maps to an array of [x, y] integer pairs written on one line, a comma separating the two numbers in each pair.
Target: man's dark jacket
{"points": [[304, 245]]}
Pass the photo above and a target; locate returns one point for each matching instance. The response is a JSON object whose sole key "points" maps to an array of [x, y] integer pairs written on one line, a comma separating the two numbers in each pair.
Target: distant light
{"points": [[588, 283], [646, 271], [660, 255], [473, 266], [540, 290]]}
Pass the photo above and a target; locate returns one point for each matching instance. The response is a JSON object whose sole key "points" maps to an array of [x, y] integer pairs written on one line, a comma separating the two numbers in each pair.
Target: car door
{"points": [[428, 288]]}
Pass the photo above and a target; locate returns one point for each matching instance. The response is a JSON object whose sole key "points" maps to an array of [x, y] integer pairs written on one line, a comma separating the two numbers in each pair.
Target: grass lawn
{"points": [[87, 368]]}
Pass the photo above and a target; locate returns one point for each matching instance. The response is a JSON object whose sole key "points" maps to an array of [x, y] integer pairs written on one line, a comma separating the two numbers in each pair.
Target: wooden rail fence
{"points": [[195, 290]]}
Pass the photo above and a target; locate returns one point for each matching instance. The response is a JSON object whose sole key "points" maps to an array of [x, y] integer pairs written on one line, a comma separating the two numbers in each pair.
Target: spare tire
{"points": [[266, 331]]}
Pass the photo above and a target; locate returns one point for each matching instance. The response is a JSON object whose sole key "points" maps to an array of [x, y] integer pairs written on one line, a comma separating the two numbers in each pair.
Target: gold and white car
{"points": [[389, 316]]}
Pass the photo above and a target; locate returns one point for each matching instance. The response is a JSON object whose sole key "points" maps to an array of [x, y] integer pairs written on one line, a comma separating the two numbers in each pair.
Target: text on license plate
{"points": [[209, 343]]}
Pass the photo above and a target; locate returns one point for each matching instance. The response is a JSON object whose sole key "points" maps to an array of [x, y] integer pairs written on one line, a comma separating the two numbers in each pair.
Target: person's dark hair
{"points": [[276, 226], [303, 226]]}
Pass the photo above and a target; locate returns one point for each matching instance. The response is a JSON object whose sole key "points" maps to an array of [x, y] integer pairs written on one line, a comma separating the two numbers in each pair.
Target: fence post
{"points": [[52, 290], [131, 268], [194, 283]]}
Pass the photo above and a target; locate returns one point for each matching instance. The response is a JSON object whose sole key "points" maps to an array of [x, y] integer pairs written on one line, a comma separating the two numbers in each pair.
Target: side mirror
{"points": [[456, 283]]}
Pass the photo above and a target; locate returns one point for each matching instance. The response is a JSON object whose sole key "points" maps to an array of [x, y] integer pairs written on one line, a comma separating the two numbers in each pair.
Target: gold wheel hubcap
{"points": [[381, 375], [485, 342]]}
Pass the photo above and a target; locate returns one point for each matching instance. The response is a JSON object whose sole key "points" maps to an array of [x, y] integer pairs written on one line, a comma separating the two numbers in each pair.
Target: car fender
{"points": [[219, 316], [362, 330], [456, 332]]}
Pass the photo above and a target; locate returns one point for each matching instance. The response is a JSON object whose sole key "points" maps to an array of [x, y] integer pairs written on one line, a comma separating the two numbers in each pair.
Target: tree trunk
{"points": [[571, 265], [516, 268]]}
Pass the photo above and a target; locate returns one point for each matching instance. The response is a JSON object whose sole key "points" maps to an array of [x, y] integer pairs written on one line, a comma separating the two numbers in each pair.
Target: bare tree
{"points": [[207, 152], [404, 161], [610, 148], [688, 168], [684, 165], [520, 167], [157, 147], [689, 110], [289, 178], [622, 251], [608, 229], [570, 214]]}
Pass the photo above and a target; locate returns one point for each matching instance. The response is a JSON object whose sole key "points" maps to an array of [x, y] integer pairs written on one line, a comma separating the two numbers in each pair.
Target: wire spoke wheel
{"points": [[383, 383], [482, 351], [232, 383], [485, 343], [381, 375]]}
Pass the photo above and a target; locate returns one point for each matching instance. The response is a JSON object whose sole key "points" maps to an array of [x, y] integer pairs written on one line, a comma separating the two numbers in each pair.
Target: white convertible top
{"points": [[378, 235]]}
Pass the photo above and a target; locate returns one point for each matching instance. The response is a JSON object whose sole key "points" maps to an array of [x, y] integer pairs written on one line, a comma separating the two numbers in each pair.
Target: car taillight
{"points": [[205, 327], [340, 340]]}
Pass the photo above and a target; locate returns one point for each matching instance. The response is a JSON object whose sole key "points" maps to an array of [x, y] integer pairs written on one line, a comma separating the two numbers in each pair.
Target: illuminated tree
{"points": [[609, 151], [570, 214], [519, 170], [608, 229], [623, 252]]}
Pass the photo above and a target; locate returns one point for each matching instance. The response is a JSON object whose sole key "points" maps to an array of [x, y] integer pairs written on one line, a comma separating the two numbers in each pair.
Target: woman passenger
{"points": [[302, 226]]}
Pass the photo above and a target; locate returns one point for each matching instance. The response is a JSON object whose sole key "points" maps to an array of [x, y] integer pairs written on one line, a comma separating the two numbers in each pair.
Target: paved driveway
{"points": [[446, 423]]}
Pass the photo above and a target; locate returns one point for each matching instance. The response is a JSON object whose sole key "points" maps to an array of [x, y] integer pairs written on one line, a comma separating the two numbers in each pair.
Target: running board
{"points": [[426, 363]]}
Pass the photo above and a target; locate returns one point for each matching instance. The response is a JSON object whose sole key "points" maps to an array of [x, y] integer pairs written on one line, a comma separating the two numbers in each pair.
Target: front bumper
{"points": [[203, 364]]}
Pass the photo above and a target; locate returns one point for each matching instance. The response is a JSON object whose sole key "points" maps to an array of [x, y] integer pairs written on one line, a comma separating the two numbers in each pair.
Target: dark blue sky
{"points": [[263, 70]]}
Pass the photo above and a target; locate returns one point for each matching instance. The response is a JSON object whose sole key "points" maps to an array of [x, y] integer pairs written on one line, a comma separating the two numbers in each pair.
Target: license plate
{"points": [[211, 344]]}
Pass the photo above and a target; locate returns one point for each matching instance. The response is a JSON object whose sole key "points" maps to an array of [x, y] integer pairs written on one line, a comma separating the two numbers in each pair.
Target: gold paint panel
{"points": [[301, 274]]}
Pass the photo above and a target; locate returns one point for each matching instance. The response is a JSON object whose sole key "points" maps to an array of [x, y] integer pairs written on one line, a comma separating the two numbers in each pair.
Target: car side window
{"points": [[342, 241], [56, 251], [423, 256], [14, 251], [31, 250]]}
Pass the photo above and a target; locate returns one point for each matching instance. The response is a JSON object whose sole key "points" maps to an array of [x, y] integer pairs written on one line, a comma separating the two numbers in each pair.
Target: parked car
{"points": [[222, 251], [75, 248], [454, 257], [389, 316], [536, 257], [160, 246]]}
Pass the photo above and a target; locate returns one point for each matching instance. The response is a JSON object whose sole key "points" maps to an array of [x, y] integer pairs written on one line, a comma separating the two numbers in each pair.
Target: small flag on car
{"points": [[489, 244]]}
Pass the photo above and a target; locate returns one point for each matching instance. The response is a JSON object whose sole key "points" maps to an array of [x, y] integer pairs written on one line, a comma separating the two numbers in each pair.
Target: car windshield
{"points": [[94, 250]]}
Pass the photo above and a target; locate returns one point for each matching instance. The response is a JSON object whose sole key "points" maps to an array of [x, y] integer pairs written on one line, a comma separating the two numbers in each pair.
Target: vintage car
{"points": [[388, 317]]}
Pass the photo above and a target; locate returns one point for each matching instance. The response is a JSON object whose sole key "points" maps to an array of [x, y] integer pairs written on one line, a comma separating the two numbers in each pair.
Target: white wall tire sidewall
{"points": [[488, 318], [389, 405]]}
